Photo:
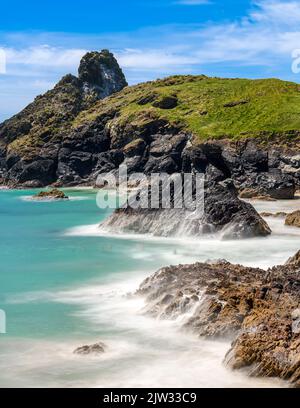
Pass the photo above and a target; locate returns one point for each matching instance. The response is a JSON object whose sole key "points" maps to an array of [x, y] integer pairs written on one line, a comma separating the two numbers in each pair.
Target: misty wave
{"points": [[141, 351], [51, 200]]}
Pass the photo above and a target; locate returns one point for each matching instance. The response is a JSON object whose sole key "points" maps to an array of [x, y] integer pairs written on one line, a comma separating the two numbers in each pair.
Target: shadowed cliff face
{"points": [[31, 142], [100, 74]]}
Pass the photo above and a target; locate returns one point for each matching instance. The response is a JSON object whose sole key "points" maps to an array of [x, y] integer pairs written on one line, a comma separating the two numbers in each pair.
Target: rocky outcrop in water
{"points": [[258, 309], [223, 213], [98, 348], [54, 194]]}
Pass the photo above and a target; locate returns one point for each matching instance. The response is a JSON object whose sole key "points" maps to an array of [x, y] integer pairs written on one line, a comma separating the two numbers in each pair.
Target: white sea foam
{"points": [[258, 252], [142, 352], [49, 200]]}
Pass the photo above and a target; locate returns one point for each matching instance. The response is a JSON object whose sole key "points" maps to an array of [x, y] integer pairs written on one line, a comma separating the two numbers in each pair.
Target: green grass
{"points": [[267, 106], [208, 108]]}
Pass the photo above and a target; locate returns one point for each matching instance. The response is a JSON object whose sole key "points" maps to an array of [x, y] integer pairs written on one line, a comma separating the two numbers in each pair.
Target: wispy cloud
{"points": [[276, 11], [44, 55]]}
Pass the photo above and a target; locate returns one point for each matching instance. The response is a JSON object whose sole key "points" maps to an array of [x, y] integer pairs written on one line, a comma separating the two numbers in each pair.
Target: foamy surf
{"points": [[51, 200], [83, 293], [141, 351], [249, 252]]}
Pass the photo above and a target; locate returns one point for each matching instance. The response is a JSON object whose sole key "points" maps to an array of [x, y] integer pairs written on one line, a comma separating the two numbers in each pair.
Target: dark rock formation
{"points": [[223, 213], [259, 310], [255, 174], [100, 74], [166, 102], [273, 184], [39, 146], [98, 348]]}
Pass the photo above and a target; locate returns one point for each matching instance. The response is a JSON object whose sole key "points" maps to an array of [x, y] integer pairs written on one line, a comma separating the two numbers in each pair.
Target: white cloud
{"points": [[2, 61], [277, 12], [44, 55], [152, 59]]}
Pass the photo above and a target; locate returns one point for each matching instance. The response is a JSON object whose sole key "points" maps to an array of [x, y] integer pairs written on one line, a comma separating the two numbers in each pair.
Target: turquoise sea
{"points": [[63, 284]]}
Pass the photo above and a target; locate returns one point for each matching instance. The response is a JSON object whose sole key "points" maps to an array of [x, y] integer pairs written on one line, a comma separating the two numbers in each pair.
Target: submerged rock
{"points": [[279, 214], [258, 309], [98, 348], [54, 194]]}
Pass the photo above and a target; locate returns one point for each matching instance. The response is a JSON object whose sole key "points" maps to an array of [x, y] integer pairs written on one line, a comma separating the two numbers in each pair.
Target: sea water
{"points": [[64, 283]]}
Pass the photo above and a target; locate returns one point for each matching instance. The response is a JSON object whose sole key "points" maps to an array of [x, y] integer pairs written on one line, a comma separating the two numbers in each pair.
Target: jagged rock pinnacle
{"points": [[100, 73]]}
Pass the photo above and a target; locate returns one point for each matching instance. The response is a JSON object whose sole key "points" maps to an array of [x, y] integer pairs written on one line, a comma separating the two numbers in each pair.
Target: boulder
{"points": [[254, 193], [293, 219], [277, 185], [166, 102], [232, 217], [222, 213], [135, 148], [193, 159], [254, 159], [294, 260], [98, 348], [38, 173], [270, 186], [54, 194]]}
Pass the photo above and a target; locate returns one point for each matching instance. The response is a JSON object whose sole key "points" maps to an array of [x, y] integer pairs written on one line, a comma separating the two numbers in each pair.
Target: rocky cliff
{"points": [[246, 130], [33, 150]]}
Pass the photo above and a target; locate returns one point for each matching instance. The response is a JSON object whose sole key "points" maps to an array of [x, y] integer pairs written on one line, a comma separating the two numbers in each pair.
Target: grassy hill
{"points": [[209, 107]]}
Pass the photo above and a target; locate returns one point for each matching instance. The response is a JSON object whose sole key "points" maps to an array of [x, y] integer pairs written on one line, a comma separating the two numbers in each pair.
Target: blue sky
{"points": [[151, 38]]}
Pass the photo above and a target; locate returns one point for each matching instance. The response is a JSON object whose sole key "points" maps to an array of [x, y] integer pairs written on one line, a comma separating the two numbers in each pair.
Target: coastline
{"points": [[97, 306]]}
